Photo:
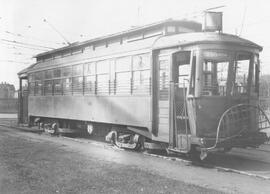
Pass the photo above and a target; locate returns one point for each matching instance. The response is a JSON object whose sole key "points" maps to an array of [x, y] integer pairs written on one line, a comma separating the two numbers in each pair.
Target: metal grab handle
{"points": [[183, 113]]}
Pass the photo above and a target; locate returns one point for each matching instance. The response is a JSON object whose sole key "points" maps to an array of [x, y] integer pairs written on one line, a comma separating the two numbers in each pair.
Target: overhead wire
{"points": [[26, 44], [33, 38], [14, 48], [9, 47], [22, 45], [22, 54], [18, 53], [27, 47], [38, 39], [13, 61]]}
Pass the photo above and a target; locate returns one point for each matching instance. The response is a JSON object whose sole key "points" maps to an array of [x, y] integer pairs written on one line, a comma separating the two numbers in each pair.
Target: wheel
{"points": [[111, 137], [55, 127], [140, 144], [41, 127]]}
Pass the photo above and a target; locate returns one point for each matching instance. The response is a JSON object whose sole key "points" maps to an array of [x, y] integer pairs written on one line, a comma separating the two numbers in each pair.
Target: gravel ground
{"points": [[28, 166]]}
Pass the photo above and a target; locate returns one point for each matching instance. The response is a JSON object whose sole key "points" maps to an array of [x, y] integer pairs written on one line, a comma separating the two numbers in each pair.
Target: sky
{"points": [[41, 25]]}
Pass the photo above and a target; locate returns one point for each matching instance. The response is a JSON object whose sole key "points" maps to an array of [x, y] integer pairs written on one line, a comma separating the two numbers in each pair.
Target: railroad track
{"points": [[266, 148], [174, 158]]}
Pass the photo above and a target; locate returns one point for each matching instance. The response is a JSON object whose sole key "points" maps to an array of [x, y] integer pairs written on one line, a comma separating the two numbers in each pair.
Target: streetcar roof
{"points": [[23, 73], [202, 38], [190, 25], [161, 41]]}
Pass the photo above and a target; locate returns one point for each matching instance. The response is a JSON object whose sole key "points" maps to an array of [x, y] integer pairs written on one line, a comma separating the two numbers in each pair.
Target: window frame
{"points": [[104, 88], [123, 87], [230, 55]]}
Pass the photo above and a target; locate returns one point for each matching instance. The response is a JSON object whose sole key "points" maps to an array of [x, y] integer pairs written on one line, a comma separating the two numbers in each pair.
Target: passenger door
{"points": [[179, 120]]}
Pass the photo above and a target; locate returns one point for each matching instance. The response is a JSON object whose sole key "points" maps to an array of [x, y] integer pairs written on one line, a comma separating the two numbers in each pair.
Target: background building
{"points": [[8, 100], [7, 90]]}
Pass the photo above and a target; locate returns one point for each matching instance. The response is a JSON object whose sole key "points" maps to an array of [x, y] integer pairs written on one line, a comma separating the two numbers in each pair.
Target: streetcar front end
{"points": [[227, 108], [213, 92]]}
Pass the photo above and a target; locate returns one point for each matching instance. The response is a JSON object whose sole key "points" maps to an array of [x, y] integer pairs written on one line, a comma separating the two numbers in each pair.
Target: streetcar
{"points": [[177, 85]]}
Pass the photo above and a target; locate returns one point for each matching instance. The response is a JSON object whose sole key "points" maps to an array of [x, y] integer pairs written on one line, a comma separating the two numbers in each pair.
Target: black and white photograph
{"points": [[134, 96]]}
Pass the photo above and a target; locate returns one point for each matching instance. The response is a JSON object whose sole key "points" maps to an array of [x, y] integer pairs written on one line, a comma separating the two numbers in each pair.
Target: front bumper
{"points": [[252, 139]]}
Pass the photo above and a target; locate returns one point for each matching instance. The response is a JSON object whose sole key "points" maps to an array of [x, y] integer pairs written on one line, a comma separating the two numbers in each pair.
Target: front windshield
{"points": [[227, 73]]}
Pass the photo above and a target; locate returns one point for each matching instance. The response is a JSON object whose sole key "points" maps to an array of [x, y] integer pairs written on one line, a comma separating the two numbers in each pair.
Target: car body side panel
{"points": [[123, 110]]}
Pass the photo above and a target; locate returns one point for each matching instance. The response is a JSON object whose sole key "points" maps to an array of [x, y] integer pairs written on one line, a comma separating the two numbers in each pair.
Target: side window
{"points": [[163, 79], [182, 62], [38, 77], [90, 78], [181, 72], [66, 74], [49, 74], [31, 77], [77, 84], [215, 77], [103, 84], [90, 68], [38, 88], [48, 87], [77, 79], [141, 74], [215, 72], [90, 82], [241, 68], [57, 73], [57, 84], [122, 82], [183, 76], [66, 71], [207, 75], [193, 75], [67, 85], [256, 75], [123, 75], [31, 88], [77, 70], [31, 84], [103, 69]]}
